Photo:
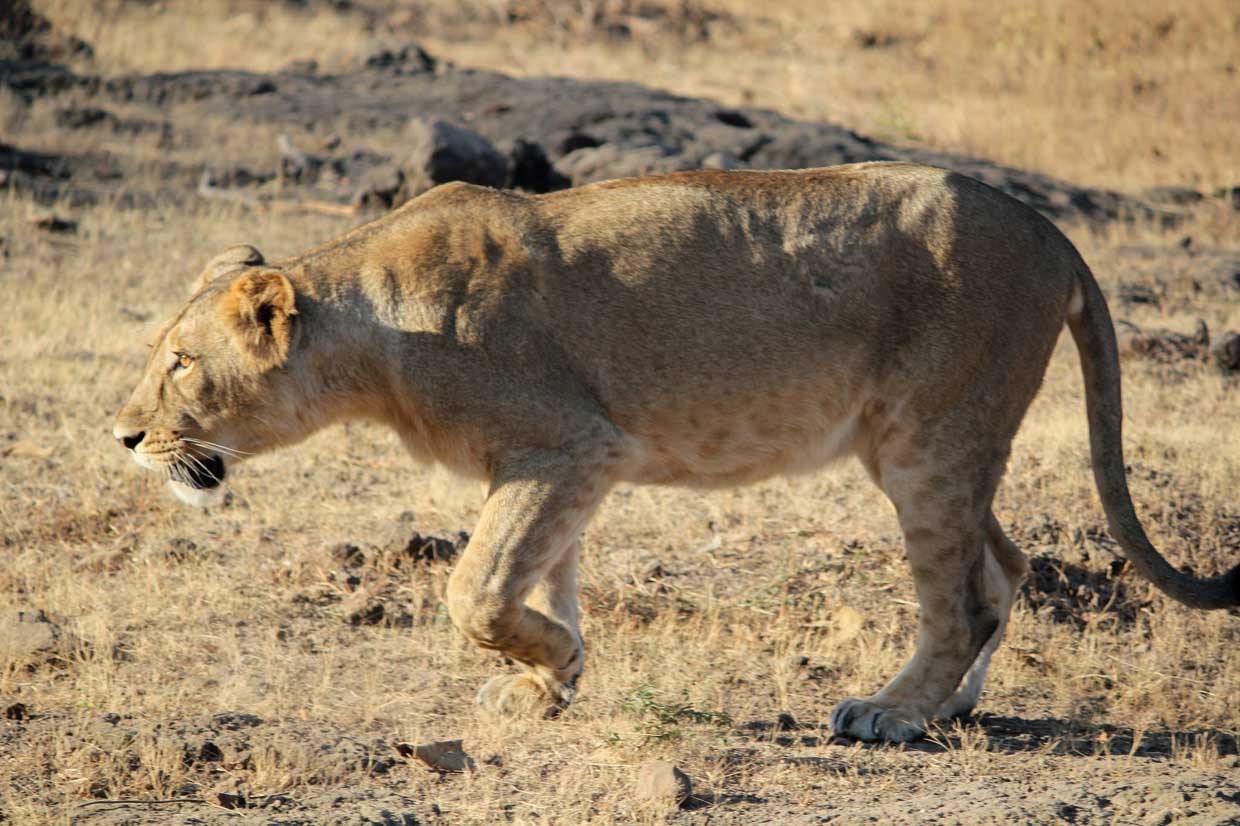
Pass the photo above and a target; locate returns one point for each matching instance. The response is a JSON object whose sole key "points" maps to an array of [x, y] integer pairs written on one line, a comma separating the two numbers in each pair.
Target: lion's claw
{"points": [[863, 720]]}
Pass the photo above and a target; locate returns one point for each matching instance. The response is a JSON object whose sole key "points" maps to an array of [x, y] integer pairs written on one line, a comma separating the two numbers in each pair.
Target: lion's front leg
{"points": [[525, 547]]}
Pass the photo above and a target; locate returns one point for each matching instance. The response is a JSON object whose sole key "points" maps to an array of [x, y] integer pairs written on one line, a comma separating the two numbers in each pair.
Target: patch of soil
{"points": [[1071, 593]]}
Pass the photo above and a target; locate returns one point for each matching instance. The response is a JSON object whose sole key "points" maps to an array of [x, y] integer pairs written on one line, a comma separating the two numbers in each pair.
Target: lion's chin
{"points": [[199, 497], [201, 482]]}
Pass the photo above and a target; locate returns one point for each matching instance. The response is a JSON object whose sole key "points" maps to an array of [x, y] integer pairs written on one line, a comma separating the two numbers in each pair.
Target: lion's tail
{"points": [[1090, 323]]}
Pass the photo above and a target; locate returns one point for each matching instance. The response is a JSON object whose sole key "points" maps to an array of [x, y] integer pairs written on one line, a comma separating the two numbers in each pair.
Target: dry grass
{"points": [[181, 615]]}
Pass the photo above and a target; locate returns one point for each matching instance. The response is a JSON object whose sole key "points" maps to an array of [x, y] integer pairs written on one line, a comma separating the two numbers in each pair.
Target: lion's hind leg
{"points": [[1005, 569], [942, 496]]}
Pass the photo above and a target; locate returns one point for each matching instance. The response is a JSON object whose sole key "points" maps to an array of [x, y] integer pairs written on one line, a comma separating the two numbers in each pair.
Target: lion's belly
{"points": [[715, 445]]}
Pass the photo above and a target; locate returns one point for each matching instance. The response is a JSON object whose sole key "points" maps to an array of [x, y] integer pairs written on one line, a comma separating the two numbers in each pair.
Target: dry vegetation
{"points": [[779, 598]]}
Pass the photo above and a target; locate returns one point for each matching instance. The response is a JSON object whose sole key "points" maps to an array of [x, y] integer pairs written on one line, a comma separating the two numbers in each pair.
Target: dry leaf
{"points": [[846, 623], [442, 756]]}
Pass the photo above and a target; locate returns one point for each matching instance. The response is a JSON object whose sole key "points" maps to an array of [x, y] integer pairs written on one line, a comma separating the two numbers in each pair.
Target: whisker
{"points": [[201, 466], [231, 451]]}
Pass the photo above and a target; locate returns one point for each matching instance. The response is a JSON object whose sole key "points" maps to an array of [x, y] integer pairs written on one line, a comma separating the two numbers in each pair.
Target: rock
{"points": [[659, 782], [363, 608], [1173, 195], [236, 720], [442, 755], [232, 176], [845, 623], [1141, 294], [1227, 352], [423, 549], [722, 160], [611, 160], [733, 118], [440, 152], [30, 637], [348, 555], [209, 752], [83, 117], [232, 801], [578, 140], [1162, 345], [400, 59], [381, 187], [647, 130], [529, 169], [54, 223]]}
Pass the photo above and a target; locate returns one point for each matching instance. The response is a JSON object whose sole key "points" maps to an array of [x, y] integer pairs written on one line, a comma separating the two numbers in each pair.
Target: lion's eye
{"points": [[184, 362]]}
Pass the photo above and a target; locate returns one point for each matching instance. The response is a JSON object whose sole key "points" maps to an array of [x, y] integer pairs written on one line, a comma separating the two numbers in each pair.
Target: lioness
{"points": [[704, 329]]}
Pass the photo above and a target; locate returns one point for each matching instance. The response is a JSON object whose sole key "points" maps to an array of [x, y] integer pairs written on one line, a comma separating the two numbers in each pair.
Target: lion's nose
{"points": [[131, 440]]}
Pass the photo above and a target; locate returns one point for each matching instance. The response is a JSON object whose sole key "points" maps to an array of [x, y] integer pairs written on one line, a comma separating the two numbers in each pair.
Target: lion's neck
{"points": [[360, 357]]}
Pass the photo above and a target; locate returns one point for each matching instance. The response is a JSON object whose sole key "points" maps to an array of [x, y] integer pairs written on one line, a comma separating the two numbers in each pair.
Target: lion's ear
{"points": [[258, 309], [230, 260]]}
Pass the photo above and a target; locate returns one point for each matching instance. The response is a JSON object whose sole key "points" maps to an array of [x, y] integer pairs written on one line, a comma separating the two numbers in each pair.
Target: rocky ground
{"points": [[345, 137]]}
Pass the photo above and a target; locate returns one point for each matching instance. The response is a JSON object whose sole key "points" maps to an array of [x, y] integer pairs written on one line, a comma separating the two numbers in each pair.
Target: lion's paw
{"points": [[960, 704], [864, 720], [520, 695]]}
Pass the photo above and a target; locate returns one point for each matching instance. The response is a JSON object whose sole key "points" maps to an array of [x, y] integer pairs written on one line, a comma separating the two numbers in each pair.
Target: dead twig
{"points": [[144, 801], [208, 190]]}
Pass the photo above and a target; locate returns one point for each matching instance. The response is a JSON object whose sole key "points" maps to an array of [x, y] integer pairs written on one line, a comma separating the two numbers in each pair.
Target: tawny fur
{"points": [[700, 329]]}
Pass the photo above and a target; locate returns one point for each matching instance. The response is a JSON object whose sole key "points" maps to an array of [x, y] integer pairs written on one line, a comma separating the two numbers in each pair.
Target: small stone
{"points": [[362, 608], [658, 781], [31, 637], [722, 160], [54, 223], [1227, 352], [381, 187], [422, 549], [17, 711], [232, 801], [442, 755], [348, 555], [398, 58], [786, 722]]}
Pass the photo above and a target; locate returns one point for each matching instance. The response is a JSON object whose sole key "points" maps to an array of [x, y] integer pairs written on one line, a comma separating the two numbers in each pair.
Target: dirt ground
{"points": [[263, 662]]}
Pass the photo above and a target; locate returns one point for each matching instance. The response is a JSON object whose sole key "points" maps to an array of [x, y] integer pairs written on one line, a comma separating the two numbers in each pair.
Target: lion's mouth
{"points": [[201, 472]]}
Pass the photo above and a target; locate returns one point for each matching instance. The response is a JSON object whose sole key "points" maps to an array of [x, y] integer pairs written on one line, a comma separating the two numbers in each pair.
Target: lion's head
{"points": [[216, 386]]}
